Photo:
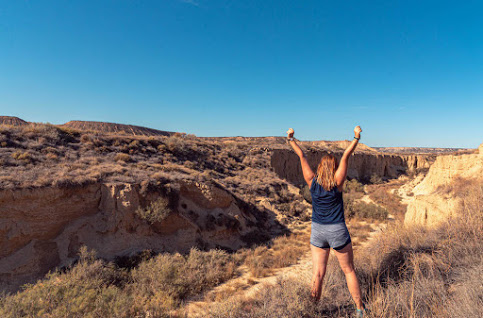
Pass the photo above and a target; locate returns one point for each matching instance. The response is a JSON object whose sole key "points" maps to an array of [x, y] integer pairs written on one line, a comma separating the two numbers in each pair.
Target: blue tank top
{"points": [[327, 206]]}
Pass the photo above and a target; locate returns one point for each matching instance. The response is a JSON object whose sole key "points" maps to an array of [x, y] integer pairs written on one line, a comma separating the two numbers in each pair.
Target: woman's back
{"points": [[327, 206]]}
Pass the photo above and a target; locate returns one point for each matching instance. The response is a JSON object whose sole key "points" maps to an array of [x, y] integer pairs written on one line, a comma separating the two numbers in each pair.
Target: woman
{"points": [[328, 224]]}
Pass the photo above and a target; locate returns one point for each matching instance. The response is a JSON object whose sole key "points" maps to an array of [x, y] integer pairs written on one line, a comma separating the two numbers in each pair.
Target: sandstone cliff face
{"points": [[433, 202], [361, 165], [41, 229]]}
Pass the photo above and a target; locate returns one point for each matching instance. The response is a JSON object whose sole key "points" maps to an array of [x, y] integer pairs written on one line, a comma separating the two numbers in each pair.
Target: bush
{"points": [[354, 186], [164, 281], [157, 211], [370, 211], [93, 288], [85, 139], [122, 157], [177, 145], [87, 290], [24, 157], [375, 179], [391, 201], [360, 209]]}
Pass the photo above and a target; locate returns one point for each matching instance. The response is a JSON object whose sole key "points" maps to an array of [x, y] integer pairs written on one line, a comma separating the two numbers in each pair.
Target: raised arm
{"points": [[307, 171], [341, 172]]}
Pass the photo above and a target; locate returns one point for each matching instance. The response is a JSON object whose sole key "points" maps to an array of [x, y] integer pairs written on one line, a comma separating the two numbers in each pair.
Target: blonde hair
{"points": [[326, 172]]}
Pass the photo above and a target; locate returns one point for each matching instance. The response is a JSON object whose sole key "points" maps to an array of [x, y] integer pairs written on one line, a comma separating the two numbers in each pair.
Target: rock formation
{"points": [[435, 199], [43, 228], [361, 166]]}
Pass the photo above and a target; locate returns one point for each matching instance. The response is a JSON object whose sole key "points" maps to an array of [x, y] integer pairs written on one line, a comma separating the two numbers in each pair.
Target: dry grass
{"points": [[389, 199], [406, 272], [363, 210], [145, 286], [43, 155], [282, 251], [94, 288], [354, 207]]}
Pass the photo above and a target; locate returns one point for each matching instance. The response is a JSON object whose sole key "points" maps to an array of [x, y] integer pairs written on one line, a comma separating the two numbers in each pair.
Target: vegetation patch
{"points": [[95, 288], [283, 251], [156, 211], [364, 210], [406, 272]]}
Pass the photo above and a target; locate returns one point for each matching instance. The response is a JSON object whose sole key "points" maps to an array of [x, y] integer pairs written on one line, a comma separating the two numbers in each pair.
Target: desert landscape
{"points": [[109, 220]]}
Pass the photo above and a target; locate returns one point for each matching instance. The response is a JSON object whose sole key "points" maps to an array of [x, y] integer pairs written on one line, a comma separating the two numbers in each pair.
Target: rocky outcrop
{"points": [[361, 165], [436, 198], [41, 229]]}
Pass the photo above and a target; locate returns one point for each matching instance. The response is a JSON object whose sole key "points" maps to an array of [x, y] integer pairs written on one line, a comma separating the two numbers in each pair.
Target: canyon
{"points": [[223, 192], [363, 165], [44, 228]]}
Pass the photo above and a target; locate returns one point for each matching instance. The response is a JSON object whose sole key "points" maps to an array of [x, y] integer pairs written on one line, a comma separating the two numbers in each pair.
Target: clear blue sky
{"points": [[409, 72]]}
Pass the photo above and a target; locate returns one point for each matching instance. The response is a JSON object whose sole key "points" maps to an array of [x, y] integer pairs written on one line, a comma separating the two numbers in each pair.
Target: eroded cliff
{"points": [[439, 196], [362, 165], [44, 228]]}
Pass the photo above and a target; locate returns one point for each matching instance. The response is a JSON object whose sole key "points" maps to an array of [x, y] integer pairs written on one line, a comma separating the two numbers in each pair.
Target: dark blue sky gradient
{"points": [[409, 72]]}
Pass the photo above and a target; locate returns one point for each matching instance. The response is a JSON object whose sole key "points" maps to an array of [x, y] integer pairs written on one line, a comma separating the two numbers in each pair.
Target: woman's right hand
{"points": [[290, 133], [357, 131]]}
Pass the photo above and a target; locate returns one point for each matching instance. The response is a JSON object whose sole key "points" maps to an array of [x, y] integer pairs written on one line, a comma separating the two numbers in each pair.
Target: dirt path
{"points": [[246, 286]]}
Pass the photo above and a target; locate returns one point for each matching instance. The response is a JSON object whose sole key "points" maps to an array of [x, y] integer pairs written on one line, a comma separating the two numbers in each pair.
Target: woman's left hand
{"points": [[357, 131], [290, 133]]}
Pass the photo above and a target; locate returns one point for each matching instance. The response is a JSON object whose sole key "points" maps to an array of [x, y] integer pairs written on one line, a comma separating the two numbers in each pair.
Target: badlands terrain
{"points": [[111, 220]]}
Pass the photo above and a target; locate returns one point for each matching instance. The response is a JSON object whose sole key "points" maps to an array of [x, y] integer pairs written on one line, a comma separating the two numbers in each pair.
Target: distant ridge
{"points": [[422, 150], [12, 121], [115, 128]]}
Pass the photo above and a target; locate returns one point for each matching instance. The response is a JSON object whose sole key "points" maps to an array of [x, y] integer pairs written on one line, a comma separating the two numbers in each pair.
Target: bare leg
{"points": [[320, 256], [345, 257]]}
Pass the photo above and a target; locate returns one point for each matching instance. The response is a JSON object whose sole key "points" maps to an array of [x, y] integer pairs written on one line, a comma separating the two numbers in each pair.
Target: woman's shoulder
{"points": [[313, 183]]}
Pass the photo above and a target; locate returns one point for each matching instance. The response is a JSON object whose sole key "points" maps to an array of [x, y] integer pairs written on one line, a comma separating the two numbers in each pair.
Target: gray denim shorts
{"points": [[335, 235]]}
